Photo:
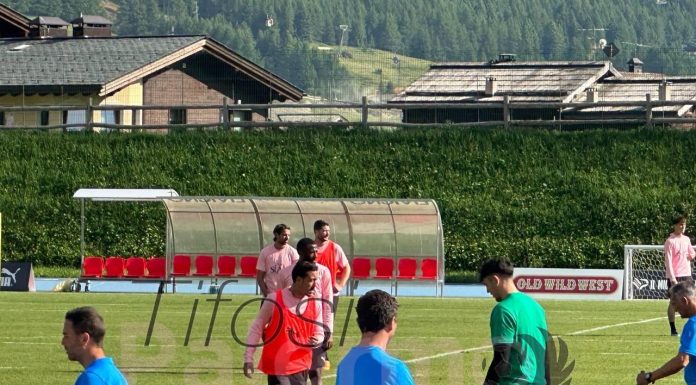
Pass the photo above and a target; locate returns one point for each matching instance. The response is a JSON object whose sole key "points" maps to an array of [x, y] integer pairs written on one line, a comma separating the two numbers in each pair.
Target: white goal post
{"points": [[644, 272]]}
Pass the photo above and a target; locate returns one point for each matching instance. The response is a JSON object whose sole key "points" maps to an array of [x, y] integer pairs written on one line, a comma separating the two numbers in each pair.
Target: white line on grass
{"points": [[460, 351], [615, 325]]}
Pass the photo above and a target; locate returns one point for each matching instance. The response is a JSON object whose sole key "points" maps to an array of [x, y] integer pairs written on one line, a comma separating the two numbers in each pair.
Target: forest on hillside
{"points": [[281, 35]]}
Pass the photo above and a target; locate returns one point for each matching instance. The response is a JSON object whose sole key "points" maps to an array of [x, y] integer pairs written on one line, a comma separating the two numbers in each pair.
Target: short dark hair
{"points": [[302, 243], [319, 224], [501, 266], [302, 268], [678, 219], [86, 320], [376, 309]]}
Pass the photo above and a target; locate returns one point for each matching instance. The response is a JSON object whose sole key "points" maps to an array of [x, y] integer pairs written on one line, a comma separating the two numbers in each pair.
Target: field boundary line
{"points": [[445, 354], [613, 326]]}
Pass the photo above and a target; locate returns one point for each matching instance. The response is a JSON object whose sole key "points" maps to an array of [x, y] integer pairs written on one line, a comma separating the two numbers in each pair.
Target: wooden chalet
{"points": [[132, 71], [566, 82], [486, 82], [633, 87]]}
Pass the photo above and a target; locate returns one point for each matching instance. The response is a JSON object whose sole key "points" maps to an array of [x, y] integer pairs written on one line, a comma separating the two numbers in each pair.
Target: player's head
{"points": [[322, 230], [304, 276], [377, 311], [281, 234], [307, 249], [679, 224], [683, 297], [496, 274], [83, 330]]}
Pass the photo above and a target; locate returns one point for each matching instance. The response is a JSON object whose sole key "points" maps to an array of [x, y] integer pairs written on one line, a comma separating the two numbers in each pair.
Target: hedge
{"points": [[542, 197]]}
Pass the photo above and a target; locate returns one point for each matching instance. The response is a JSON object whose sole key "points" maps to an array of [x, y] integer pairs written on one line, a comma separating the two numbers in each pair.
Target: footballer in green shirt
{"points": [[518, 330]]}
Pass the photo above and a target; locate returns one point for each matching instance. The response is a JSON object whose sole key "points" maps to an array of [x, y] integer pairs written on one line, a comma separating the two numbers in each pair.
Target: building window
{"points": [[240, 116], [2, 118], [177, 116], [75, 117], [43, 118], [111, 117]]}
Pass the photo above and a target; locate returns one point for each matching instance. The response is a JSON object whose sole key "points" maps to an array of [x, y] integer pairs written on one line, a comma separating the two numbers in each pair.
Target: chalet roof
{"points": [[92, 19], [524, 81], [108, 64], [48, 20], [635, 88]]}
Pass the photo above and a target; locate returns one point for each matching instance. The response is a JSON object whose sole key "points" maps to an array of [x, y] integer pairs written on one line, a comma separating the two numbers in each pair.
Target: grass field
{"points": [[444, 341]]}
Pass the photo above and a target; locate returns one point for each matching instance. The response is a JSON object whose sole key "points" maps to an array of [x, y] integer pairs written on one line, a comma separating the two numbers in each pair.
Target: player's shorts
{"points": [[299, 378], [679, 279], [318, 358]]}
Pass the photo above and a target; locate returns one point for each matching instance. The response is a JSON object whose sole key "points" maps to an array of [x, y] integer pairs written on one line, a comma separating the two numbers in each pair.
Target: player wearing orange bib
{"points": [[331, 255], [289, 322]]}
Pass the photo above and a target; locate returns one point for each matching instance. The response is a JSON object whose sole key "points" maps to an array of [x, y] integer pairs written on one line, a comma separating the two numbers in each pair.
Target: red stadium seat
{"points": [[248, 265], [227, 265], [114, 267], [361, 268], [407, 268], [181, 265], [135, 267], [429, 268], [156, 267], [204, 266], [92, 267], [385, 268]]}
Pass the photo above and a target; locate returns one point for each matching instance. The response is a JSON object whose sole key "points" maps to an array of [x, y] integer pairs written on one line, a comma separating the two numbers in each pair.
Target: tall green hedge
{"points": [[543, 198]]}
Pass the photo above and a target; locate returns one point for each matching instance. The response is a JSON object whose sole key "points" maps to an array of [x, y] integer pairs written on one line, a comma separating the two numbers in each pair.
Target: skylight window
{"points": [[20, 47]]}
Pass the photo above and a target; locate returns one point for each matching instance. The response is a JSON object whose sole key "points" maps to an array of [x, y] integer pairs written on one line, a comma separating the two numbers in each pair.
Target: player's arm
{"points": [[500, 364], [345, 266], [260, 275], [670, 367], [327, 310], [261, 269], [256, 332], [547, 362], [668, 264]]}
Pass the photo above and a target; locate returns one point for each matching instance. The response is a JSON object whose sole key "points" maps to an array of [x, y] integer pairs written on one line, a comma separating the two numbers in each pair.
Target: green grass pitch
{"points": [[444, 341]]}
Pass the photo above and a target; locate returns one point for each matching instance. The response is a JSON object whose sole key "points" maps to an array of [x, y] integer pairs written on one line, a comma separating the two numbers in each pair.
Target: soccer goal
{"points": [[644, 272]]}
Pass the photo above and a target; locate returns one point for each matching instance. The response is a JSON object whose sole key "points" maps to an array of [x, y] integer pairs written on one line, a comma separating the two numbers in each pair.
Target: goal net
{"points": [[644, 272]]}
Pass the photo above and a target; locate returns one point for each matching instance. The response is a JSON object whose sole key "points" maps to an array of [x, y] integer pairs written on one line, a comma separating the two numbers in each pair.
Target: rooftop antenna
{"points": [[595, 42]]}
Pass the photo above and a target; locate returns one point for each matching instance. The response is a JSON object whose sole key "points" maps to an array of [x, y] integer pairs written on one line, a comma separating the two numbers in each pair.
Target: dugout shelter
{"points": [[391, 240]]}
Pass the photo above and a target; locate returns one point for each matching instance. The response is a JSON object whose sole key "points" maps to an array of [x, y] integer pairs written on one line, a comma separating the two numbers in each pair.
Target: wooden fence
{"points": [[366, 115]]}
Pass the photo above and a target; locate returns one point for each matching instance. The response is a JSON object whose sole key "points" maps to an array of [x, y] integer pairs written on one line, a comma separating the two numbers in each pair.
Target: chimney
{"points": [[665, 91], [47, 26], [91, 26], [635, 65], [491, 86], [592, 95]]}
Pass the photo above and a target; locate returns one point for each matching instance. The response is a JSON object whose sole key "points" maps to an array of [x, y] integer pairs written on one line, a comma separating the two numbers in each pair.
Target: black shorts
{"points": [[299, 378], [679, 279]]}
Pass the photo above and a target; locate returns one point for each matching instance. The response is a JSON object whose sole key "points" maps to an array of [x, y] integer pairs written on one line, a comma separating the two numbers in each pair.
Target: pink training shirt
{"points": [[678, 253], [272, 261], [323, 290]]}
